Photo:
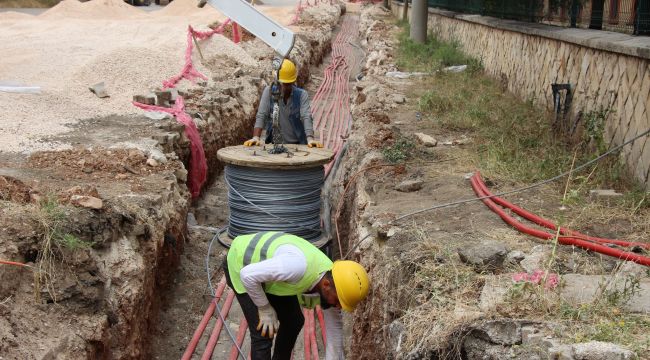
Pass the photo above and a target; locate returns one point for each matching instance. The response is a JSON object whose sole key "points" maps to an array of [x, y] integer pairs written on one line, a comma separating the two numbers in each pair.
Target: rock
{"points": [[536, 259], [163, 97], [156, 115], [370, 89], [409, 185], [426, 140], [584, 289], [502, 332], [152, 162], [360, 98], [561, 352], [477, 348], [395, 335], [121, 176], [494, 292], [514, 257], [191, 220], [398, 98], [486, 256], [238, 72], [181, 175], [605, 195], [158, 156], [87, 201], [99, 89], [150, 99], [221, 99], [598, 350]]}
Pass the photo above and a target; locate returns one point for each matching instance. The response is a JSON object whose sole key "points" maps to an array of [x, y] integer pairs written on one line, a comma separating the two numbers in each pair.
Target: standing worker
{"points": [[270, 270], [295, 114]]}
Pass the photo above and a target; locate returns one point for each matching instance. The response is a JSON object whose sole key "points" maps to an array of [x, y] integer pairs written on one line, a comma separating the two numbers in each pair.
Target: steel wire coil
{"points": [[274, 200]]}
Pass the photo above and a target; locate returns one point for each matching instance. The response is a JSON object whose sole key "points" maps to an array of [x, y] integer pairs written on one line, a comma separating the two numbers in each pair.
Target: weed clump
{"points": [[400, 151]]}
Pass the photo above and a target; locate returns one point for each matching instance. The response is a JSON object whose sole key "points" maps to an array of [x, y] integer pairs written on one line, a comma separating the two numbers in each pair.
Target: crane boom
{"points": [[264, 28]]}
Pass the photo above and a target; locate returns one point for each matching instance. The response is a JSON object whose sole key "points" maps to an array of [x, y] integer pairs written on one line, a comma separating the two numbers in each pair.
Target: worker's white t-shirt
{"points": [[288, 264]]}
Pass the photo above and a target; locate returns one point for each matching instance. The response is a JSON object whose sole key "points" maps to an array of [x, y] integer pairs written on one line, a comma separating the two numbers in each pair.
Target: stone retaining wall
{"points": [[605, 70]]}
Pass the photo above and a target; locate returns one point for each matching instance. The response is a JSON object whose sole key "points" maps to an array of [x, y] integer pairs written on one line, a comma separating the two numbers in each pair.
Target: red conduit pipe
{"points": [[204, 321], [548, 224], [321, 321], [312, 335], [7, 262], [241, 333], [602, 249], [305, 334], [214, 337]]}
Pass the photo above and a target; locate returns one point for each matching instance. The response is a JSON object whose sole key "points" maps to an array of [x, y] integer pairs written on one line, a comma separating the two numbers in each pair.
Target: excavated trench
{"points": [[109, 231]]}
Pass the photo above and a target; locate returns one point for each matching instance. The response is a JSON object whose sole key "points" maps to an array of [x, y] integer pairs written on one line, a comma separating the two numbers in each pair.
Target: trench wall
{"points": [[606, 71]]}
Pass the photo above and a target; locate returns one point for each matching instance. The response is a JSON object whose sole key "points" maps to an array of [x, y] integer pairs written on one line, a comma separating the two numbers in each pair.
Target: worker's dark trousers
{"points": [[291, 321]]}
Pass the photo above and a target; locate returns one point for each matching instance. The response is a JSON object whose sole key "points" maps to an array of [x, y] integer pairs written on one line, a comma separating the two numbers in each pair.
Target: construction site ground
{"points": [[129, 279]]}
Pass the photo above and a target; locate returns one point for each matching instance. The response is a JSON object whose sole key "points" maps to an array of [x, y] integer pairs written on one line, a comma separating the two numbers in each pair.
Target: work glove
{"points": [[269, 323], [252, 142], [313, 143]]}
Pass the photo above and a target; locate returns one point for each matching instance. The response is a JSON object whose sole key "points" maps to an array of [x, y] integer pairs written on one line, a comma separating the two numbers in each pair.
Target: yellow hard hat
{"points": [[288, 73], [351, 282]]}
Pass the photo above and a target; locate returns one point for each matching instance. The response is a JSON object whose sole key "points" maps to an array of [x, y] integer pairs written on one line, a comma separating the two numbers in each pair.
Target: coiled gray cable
{"points": [[274, 200]]}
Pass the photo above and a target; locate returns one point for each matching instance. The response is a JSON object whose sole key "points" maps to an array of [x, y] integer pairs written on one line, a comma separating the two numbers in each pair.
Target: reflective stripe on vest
{"points": [[253, 248]]}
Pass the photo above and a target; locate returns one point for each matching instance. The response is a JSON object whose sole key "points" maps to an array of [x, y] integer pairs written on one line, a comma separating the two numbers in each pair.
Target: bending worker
{"points": [[295, 118], [269, 271]]}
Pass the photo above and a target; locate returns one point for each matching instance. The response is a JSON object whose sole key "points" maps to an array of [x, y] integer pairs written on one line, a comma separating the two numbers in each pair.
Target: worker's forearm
{"points": [[257, 131]]}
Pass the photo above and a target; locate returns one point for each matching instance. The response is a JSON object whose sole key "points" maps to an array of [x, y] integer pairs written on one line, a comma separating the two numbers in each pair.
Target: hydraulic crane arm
{"points": [[264, 28]]}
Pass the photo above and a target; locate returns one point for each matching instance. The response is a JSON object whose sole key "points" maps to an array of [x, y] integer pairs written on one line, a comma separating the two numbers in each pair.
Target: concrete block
{"points": [[99, 89], [598, 350], [606, 195]]}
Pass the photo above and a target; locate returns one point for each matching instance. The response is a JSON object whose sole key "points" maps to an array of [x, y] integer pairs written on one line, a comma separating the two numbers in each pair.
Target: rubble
{"points": [[488, 255]]}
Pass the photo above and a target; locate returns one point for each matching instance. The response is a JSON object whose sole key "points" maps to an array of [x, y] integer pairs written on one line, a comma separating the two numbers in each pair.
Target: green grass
{"points": [[430, 56]]}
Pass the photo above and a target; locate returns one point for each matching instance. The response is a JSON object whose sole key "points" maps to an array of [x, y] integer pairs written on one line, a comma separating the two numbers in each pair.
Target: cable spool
{"points": [[274, 192]]}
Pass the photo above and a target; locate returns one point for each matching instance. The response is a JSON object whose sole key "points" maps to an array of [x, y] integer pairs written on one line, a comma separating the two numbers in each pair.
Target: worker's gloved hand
{"points": [[311, 142], [252, 142], [269, 323]]}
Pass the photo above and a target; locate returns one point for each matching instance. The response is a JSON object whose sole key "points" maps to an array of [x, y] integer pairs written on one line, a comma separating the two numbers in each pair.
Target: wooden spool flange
{"points": [[300, 157]]}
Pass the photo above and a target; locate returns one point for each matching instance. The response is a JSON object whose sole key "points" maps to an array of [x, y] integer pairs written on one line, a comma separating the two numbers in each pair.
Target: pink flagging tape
{"points": [[189, 72], [198, 167], [236, 37]]}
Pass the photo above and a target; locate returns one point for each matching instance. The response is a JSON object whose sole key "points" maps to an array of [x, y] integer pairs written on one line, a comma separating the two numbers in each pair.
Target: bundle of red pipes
{"points": [[331, 104], [566, 236]]}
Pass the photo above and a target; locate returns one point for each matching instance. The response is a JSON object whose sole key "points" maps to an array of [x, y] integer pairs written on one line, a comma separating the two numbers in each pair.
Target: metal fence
{"points": [[628, 16]]}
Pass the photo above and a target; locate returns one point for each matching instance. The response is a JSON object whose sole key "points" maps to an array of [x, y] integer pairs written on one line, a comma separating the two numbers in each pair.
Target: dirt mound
{"points": [[95, 9], [98, 163], [186, 7], [14, 15], [14, 190]]}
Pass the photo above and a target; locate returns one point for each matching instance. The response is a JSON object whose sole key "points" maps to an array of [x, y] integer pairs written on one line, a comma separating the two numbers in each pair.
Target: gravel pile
{"points": [[64, 52]]}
